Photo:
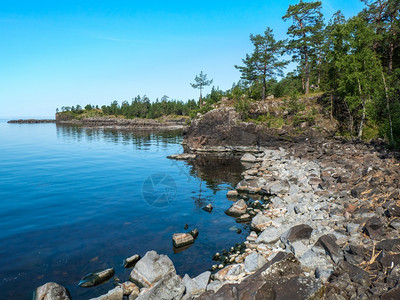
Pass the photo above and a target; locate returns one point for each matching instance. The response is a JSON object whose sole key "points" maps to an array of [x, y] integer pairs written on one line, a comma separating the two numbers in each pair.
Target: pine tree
{"points": [[307, 22], [200, 82], [263, 63]]}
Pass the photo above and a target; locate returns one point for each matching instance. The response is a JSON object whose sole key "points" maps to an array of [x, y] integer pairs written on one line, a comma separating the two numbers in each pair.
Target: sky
{"points": [[63, 53]]}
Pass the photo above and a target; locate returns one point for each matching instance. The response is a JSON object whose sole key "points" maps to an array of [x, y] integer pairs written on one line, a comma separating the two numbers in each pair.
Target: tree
{"points": [[263, 63], [200, 82], [307, 21]]}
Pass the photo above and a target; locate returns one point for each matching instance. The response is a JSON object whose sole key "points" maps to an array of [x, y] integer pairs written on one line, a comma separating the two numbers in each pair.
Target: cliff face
{"points": [[221, 129]]}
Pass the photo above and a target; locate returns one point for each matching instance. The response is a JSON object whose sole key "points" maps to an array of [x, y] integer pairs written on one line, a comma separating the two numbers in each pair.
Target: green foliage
{"points": [[242, 106], [200, 81], [263, 64], [294, 104], [307, 23]]}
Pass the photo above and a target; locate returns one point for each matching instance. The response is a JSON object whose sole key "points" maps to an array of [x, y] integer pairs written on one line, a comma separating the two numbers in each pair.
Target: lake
{"points": [[75, 200]]}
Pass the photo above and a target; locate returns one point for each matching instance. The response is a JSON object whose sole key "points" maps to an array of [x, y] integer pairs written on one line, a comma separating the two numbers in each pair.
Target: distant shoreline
{"points": [[113, 123], [31, 121]]}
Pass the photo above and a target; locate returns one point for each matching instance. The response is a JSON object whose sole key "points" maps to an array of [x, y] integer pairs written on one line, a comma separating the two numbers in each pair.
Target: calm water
{"points": [[74, 200]]}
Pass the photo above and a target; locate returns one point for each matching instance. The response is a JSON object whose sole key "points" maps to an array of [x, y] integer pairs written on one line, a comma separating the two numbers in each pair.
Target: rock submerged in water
{"points": [[182, 239], [96, 278], [184, 156], [51, 291], [130, 262]]}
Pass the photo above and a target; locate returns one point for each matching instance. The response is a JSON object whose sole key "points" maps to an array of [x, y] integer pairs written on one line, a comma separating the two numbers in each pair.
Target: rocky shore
{"points": [[325, 224], [31, 121], [124, 124]]}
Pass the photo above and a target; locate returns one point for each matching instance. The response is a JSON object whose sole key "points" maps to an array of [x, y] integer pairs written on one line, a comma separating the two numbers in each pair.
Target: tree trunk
{"points": [[319, 68], [360, 130], [391, 51], [201, 100], [388, 106], [264, 88], [331, 105], [307, 69]]}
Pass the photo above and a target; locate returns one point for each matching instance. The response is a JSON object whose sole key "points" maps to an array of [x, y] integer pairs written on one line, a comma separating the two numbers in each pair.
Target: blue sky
{"points": [[56, 53]]}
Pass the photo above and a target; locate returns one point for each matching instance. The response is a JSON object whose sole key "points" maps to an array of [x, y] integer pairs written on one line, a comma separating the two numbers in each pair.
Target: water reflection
{"points": [[217, 170], [140, 139]]}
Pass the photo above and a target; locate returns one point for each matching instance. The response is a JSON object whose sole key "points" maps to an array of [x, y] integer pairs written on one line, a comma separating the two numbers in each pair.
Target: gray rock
{"points": [[253, 262], [298, 248], [130, 262], [235, 270], [169, 287], [96, 278], [312, 260], [184, 156], [323, 274], [260, 222], [238, 208], [197, 285], [151, 269], [352, 227], [214, 286], [51, 291], [248, 157], [114, 294], [271, 234]]}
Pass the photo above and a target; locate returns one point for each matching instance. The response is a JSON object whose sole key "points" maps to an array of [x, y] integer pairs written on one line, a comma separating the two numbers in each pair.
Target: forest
{"points": [[354, 62]]}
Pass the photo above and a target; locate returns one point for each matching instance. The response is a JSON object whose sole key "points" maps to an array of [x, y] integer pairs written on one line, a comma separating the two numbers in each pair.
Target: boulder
{"points": [[220, 128], [51, 291], [197, 285], [260, 222], [151, 268], [182, 239], [237, 209], [298, 232], [114, 294], [253, 262], [271, 234], [169, 287]]}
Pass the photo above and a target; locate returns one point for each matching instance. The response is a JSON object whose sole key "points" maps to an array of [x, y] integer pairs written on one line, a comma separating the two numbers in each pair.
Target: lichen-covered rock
{"points": [[151, 268], [116, 293], [169, 287], [51, 291]]}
